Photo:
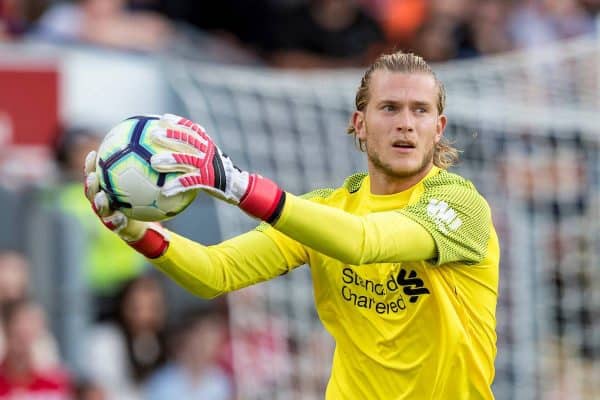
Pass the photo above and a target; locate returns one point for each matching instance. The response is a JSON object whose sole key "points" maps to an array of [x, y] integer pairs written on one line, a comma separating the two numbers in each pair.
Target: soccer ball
{"points": [[125, 173]]}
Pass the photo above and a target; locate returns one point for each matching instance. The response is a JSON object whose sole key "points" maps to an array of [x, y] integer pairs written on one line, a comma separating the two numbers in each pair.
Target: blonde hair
{"points": [[444, 155]]}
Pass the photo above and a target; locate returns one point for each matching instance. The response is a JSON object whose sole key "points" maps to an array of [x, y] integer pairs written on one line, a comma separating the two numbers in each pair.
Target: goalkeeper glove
{"points": [[193, 152], [148, 238]]}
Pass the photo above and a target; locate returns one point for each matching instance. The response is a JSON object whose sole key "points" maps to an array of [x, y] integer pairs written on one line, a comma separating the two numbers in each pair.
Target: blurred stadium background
{"points": [[273, 82]]}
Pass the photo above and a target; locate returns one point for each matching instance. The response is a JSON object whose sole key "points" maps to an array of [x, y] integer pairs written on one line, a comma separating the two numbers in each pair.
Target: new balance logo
{"points": [[413, 286], [444, 216]]}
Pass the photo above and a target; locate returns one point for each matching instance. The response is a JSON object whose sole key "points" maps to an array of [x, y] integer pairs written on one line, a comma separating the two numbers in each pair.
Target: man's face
{"points": [[400, 125], [14, 277], [23, 330]]}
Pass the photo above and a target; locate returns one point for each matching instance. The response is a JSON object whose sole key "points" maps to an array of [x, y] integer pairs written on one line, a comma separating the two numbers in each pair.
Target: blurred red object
{"points": [[29, 121], [28, 105], [399, 19]]}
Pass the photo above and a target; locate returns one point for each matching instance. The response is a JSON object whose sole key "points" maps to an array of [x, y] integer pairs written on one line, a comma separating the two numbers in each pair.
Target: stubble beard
{"points": [[388, 170]]}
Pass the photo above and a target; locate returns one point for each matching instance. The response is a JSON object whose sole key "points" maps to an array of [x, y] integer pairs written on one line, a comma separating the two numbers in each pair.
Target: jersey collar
{"points": [[380, 202]]}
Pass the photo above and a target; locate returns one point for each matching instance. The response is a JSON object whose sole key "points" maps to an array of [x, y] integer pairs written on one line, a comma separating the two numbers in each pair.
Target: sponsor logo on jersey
{"points": [[372, 295], [413, 285], [444, 216]]}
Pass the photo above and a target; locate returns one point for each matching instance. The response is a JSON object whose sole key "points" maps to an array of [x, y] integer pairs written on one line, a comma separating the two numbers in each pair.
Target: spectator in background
{"points": [[14, 276], [592, 7], [24, 323], [325, 34], [400, 20], [240, 27], [17, 15], [132, 346], [262, 343], [487, 27], [193, 372], [464, 28], [11, 22], [14, 281], [106, 23], [86, 389], [105, 276], [436, 40], [14, 287], [447, 32], [538, 22]]}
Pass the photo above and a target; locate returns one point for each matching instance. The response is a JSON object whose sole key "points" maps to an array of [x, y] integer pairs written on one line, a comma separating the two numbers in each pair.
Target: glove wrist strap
{"points": [[263, 199], [152, 244]]}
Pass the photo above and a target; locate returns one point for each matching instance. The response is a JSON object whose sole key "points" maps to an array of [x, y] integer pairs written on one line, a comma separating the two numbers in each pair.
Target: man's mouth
{"points": [[401, 144]]}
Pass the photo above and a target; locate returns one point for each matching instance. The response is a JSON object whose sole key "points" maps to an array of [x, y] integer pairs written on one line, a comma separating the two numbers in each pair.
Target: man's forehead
{"points": [[386, 82]]}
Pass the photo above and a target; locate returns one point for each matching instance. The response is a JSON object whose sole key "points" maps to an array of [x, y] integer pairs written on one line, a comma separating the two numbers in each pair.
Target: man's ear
{"points": [[440, 127], [358, 121]]}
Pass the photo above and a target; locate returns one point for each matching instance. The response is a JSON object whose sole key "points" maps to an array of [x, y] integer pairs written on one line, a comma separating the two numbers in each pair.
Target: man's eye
{"points": [[388, 107]]}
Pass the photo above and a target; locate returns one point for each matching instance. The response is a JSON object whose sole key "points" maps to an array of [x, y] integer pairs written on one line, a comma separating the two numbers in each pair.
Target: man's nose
{"points": [[405, 121]]}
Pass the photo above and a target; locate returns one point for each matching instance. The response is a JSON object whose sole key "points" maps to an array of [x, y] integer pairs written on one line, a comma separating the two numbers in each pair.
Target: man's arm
{"points": [[209, 271], [379, 237], [447, 223], [206, 271], [356, 240], [421, 233]]}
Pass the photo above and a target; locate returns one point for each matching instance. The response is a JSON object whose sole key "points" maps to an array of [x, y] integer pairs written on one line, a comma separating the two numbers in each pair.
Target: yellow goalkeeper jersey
{"points": [[403, 329]]}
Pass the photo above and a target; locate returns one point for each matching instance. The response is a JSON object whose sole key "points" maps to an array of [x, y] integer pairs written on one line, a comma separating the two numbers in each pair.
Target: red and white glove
{"points": [[148, 238], [204, 166]]}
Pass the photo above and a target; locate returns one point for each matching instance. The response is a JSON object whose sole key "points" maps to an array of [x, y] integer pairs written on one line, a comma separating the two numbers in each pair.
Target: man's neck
{"points": [[384, 184]]}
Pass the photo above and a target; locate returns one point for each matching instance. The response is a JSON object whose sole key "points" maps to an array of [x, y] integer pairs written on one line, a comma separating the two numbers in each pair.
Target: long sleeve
{"points": [[378, 237], [209, 271], [445, 221]]}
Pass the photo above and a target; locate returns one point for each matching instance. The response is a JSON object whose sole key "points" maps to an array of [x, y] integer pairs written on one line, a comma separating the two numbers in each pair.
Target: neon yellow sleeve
{"points": [[378, 237], [456, 216], [209, 271]]}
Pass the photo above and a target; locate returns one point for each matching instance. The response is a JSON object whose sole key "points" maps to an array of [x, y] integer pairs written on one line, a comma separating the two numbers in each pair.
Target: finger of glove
{"points": [[220, 195], [92, 186], [180, 140], [102, 204], [184, 183], [176, 162], [171, 118], [182, 121], [130, 229], [90, 162], [115, 221]]}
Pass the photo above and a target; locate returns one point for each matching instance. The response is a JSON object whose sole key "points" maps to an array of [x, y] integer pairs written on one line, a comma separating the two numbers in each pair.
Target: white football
{"points": [[125, 173]]}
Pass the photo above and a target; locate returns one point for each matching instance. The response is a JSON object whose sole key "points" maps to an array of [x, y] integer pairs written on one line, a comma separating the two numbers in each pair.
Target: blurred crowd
{"points": [[135, 352], [300, 33]]}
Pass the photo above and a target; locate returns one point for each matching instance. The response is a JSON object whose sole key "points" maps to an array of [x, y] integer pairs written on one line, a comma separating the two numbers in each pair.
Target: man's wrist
{"points": [[153, 243], [263, 199]]}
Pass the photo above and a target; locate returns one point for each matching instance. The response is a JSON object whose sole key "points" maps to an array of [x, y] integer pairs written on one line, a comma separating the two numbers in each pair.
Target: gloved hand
{"points": [[193, 152], [146, 237]]}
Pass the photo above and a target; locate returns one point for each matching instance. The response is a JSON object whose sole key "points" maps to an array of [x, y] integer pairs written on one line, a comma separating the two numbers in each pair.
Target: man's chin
{"points": [[399, 167], [407, 170]]}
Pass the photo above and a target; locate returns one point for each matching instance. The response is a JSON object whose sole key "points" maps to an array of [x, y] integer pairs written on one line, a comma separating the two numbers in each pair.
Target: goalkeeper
{"points": [[404, 259]]}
